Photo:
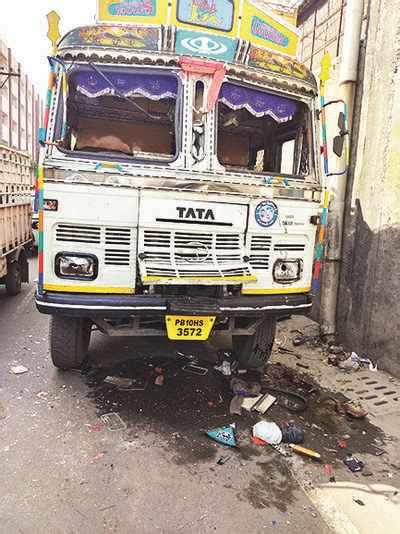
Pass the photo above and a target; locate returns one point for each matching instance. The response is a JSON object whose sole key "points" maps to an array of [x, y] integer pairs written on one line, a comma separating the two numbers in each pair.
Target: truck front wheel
{"points": [[254, 351], [13, 278], [69, 341]]}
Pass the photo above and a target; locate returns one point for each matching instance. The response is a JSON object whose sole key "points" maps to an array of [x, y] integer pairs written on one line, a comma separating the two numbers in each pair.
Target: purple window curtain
{"points": [[257, 103], [152, 86]]}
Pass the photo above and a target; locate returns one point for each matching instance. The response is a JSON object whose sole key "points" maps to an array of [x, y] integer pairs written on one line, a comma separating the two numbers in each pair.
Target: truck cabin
{"points": [[136, 115]]}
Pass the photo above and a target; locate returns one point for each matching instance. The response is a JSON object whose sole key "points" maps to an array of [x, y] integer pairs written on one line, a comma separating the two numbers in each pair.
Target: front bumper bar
{"points": [[109, 306]]}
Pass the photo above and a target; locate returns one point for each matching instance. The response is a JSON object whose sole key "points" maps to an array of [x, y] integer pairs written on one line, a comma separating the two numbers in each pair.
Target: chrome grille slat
{"points": [[187, 257]]}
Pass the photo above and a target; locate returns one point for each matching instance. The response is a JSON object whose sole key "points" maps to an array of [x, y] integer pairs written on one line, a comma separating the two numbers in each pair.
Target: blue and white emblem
{"points": [[266, 213]]}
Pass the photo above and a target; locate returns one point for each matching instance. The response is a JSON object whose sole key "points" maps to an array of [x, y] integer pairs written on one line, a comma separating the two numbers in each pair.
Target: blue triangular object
{"points": [[225, 435]]}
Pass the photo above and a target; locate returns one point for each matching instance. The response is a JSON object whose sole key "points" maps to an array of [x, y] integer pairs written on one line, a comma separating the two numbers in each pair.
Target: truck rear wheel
{"points": [[13, 278], [254, 351], [69, 341]]}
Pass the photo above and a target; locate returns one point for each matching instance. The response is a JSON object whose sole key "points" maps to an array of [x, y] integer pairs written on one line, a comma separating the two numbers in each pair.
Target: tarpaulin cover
{"points": [[257, 103], [153, 86]]}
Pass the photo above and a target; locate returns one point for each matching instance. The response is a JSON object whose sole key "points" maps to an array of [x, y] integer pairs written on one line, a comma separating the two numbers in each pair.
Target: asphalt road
{"points": [[62, 472]]}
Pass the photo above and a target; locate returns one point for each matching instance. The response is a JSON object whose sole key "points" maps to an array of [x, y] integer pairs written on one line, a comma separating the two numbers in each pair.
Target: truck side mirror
{"points": [[338, 143]]}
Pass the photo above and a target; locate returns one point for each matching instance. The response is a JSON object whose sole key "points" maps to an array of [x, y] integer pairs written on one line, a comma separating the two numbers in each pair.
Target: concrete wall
{"points": [[368, 318], [368, 314]]}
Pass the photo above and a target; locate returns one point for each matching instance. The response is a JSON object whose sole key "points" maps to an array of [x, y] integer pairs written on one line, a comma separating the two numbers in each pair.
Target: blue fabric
{"points": [[153, 86], [257, 103]]}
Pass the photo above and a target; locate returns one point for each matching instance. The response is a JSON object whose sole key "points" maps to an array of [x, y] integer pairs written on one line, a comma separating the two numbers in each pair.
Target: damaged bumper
{"points": [[80, 305]]}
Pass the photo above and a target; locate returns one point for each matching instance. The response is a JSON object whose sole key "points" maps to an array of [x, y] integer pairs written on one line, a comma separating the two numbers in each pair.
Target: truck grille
{"points": [[178, 255], [117, 242], [260, 247]]}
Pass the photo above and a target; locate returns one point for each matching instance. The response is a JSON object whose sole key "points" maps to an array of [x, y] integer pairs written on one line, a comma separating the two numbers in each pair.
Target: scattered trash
{"points": [[159, 381], [94, 426], [299, 340], [341, 444], [250, 402], [274, 522], [258, 441], [306, 452], [367, 473], [268, 431], [359, 502], [351, 364], [223, 459], [378, 450], [264, 403], [353, 463], [241, 389], [352, 409], [224, 435], [335, 349], [284, 350], [119, 381], [303, 365], [195, 369], [291, 433], [113, 421], [43, 395], [159, 370], [281, 449], [18, 369], [98, 457], [371, 366]]}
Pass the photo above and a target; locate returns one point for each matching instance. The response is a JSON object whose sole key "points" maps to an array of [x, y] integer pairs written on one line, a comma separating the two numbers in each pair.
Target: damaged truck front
{"points": [[179, 195]]}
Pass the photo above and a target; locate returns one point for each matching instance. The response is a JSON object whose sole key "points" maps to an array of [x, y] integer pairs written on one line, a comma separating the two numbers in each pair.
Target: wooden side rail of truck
{"points": [[16, 173]]}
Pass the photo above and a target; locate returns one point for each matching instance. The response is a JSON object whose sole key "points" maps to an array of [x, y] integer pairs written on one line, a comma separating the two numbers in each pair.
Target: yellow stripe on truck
{"points": [[277, 291], [88, 289]]}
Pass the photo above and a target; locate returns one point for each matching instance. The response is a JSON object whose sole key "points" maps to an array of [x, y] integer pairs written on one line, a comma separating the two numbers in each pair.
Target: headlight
{"points": [[287, 271], [76, 266]]}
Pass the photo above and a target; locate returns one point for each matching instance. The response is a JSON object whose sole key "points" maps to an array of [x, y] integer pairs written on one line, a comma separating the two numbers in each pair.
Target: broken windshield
{"points": [[120, 112], [262, 132]]}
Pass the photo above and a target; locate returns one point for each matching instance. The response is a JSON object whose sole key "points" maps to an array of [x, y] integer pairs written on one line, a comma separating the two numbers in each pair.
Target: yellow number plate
{"points": [[189, 327]]}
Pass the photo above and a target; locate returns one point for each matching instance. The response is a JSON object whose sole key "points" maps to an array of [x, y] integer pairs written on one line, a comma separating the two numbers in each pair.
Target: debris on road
{"points": [[291, 433], [268, 431], [306, 452], [341, 444], [223, 459], [119, 381], [195, 369], [225, 435], [159, 381], [18, 369], [113, 421], [94, 426], [351, 364], [353, 463], [242, 389], [359, 502], [378, 450], [98, 457]]}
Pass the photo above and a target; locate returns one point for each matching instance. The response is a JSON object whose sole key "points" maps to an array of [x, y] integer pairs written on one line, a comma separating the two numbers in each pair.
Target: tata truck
{"points": [[179, 181]]}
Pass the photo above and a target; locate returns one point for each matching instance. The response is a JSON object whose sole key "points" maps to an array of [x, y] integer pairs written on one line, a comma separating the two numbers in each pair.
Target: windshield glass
{"points": [[122, 112], [262, 132]]}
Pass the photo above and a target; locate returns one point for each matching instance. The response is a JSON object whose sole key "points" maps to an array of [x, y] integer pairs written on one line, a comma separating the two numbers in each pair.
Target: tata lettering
{"points": [[134, 8], [263, 30], [196, 213]]}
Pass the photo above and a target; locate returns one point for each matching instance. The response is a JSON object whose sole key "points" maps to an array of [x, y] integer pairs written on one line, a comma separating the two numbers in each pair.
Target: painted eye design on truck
{"points": [[266, 213], [204, 45]]}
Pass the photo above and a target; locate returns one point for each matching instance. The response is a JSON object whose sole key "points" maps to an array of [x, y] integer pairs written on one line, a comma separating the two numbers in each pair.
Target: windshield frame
{"points": [[312, 175], [113, 156]]}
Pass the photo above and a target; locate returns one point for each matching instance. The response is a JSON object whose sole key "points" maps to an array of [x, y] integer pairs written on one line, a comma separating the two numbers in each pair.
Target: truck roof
{"points": [[126, 44]]}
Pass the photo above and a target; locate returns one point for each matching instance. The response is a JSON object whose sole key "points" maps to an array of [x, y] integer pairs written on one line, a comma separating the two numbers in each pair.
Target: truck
{"points": [[15, 218], [180, 183]]}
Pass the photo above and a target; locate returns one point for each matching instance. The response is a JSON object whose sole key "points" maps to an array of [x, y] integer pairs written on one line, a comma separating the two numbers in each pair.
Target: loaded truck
{"points": [[15, 218], [180, 185]]}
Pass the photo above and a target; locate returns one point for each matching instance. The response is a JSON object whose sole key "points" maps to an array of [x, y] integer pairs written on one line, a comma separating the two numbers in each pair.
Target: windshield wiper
{"points": [[121, 95]]}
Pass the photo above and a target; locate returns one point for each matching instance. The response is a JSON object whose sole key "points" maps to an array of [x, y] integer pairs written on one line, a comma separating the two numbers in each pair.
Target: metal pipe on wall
{"points": [[337, 184]]}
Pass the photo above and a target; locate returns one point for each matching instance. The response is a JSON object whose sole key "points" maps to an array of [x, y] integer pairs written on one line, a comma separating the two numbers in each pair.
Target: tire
{"points": [[69, 341], [254, 351], [13, 279]]}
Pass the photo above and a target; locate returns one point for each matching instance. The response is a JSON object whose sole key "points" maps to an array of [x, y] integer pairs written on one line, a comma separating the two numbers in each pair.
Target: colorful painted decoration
{"points": [[267, 30], [218, 15], [266, 213], [134, 11], [264, 59], [146, 38], [191, 43]]}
